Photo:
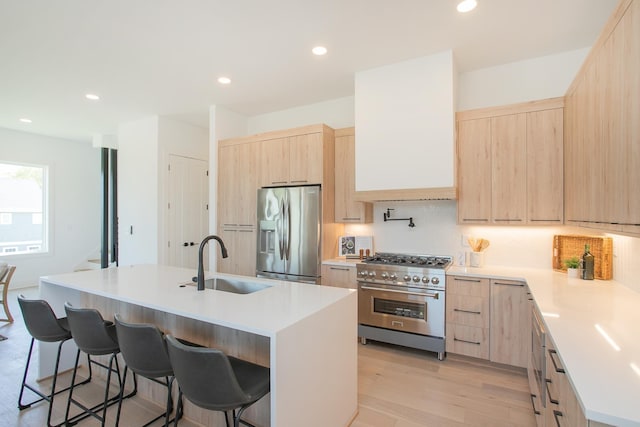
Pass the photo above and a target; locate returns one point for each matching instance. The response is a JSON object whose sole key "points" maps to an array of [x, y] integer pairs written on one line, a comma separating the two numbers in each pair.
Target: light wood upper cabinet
{"points": [[544, 166], [602, 153], [237, 184], [510, 169], [474, 171], [347, 209], [295, 160]]}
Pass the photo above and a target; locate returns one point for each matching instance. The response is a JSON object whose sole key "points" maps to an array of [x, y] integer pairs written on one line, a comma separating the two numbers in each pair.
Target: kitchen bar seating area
{"points": [[496, 395]]}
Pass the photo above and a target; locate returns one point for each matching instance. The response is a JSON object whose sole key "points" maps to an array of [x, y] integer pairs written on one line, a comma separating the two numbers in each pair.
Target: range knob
{"points": [[372, 274], [416, 279], [407, 278], [425, 279], [435, 280], [393, 276], [363, 273], [384, 275]]}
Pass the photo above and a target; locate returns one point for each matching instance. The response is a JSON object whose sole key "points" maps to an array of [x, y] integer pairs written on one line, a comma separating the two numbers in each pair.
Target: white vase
{"points": [[572, 273]]}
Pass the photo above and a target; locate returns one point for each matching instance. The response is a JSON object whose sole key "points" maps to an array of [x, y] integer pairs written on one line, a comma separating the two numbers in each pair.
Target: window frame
{"points": [[47, 214]]}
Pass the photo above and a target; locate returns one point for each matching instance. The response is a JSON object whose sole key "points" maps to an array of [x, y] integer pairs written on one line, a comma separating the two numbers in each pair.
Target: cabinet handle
{"points": [[556, 416], [229, 225], [533, 403], [467, 311], [508, 284], [351, 219], [551, 399], [544, 220], [279, 182], [339, 268], [295, 181], [468, 342], [466, 280], [475, 219], [507, 219], [245, 231], [559, 370]]}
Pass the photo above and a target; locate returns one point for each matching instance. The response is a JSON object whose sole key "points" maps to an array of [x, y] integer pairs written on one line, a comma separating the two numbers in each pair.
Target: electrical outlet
{"points": [[464, 241]]}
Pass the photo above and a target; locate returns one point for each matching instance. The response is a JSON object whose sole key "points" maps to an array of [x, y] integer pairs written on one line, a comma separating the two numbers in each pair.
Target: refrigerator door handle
{"points": [[288, 224], [280, 232]]}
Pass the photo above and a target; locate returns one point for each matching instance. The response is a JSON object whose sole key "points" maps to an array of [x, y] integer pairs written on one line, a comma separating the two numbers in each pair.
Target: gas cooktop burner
{"points": [[426, 261]]}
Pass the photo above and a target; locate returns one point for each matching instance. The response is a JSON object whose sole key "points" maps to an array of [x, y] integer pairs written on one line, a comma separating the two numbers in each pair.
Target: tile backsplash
{"points": [[436, 232]]}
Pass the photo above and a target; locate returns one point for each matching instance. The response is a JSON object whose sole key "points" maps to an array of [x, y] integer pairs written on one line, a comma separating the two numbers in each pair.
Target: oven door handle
{"points": [[434, 296]]}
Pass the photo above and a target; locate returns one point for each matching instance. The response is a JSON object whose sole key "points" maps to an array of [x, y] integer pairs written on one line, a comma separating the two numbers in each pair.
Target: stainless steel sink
{"points": [[233, 286]]}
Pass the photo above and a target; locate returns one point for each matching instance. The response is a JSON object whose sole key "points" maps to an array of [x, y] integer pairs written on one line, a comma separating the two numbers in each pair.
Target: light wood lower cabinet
{"points": [[339, 276], [467, 316], [510, 324], [241, 247]]}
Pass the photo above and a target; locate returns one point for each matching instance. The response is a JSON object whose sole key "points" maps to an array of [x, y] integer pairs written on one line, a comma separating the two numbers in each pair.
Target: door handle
{"points": [[185, 244], [191, 243]]}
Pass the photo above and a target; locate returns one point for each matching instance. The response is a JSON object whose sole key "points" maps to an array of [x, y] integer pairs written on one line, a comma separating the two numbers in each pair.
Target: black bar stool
{"points": [[95, 337], [43, 325], [212, 380], [145, 353]]}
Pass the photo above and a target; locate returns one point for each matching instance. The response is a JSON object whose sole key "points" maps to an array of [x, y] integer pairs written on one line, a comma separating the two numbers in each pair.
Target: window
{"points": [[23, 209], [6, 218]]}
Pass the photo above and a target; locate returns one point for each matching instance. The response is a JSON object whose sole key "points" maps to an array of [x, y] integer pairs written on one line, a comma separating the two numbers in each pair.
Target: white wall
{"points": [[138, 183], [74, 185], [336, 113], [143, 156], [532, 79]]}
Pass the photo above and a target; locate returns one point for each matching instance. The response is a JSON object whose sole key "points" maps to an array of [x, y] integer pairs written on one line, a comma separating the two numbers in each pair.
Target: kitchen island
{"points": [[594, 325], [306, 334]]}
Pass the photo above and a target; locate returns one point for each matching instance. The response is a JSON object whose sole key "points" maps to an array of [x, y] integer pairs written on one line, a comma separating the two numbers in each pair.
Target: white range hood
{"points": [[405, 130]]}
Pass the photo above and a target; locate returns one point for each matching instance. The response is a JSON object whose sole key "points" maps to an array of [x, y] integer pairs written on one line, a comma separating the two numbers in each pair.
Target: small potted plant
{"points": [[572, 264]]}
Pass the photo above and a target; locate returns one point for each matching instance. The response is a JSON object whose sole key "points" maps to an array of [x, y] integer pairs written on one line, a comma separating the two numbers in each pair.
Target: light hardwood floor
{"points": [[398, 387]]}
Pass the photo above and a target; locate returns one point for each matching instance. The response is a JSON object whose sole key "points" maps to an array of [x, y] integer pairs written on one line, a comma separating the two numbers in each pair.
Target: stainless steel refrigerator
{"points": [[289, 230]]}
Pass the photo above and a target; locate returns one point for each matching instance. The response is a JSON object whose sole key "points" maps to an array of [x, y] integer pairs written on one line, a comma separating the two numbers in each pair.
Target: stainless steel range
{"points": [[401, 300]]}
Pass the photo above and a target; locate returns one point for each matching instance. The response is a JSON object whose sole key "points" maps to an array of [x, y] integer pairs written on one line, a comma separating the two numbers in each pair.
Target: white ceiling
{"points": [[162, 57]]}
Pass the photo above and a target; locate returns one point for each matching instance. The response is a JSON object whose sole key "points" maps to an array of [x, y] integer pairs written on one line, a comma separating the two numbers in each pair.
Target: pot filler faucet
{"points": [[201, 261]]}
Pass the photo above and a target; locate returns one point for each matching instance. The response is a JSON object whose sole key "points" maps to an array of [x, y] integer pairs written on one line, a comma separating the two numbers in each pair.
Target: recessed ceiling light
{"points": [[92, 96], [467, 5], [319, 50], [25, 120], [224, 80]]}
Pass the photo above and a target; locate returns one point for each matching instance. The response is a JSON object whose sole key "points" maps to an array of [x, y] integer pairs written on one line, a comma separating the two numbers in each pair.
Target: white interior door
{"points": [[188, 218]]}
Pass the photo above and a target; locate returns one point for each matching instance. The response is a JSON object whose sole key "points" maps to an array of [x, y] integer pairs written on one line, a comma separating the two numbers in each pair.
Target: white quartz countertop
{"points": [[265, 312], [595, 326]]}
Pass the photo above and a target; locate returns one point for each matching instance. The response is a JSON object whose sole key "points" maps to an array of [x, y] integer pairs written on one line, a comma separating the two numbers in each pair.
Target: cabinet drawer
{"points": [[472, 286], [468, 310], [468, 340], [343, 277]]}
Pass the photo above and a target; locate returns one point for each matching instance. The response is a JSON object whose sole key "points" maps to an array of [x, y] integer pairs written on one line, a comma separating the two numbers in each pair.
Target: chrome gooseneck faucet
{"points": [[201, 261]]}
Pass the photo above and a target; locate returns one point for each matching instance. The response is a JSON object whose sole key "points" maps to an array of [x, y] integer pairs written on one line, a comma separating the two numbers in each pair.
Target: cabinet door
{"points": [[305, 159], [509, 169], [237, 185], [241, 248], [474, 171], [509, 338], [346, 209], [343, 277], [545, 167], [274, 162]]}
